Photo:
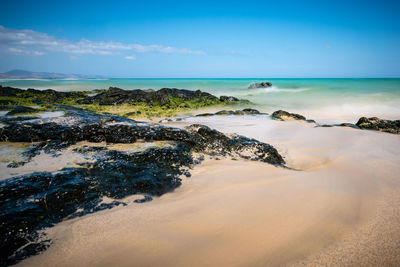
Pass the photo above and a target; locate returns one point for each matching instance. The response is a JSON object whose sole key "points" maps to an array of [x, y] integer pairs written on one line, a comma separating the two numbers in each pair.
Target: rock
{"points": [[377, 124], [238, 112], [205, 115], [47, 95], [144, 199], [351, 125], [284, 116], [9, 91], [214, 143], [225, 112], [21, 110], [224, 98], [260, 85], [7, 102], [117, 96], [251, 111], [246, 111]]}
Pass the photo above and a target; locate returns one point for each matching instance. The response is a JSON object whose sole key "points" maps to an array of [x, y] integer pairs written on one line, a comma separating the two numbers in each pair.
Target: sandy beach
{"points": [[337, 205]]}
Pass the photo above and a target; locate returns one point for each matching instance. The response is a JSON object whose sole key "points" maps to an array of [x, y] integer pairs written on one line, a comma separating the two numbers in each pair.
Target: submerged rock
{"points": [[377, 124], [284, 116], [31, 202], [346, 124], [224, 98], [260, 85]]}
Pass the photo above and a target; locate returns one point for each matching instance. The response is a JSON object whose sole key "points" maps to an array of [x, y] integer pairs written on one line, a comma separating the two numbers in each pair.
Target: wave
{"points": [[274, 89]]}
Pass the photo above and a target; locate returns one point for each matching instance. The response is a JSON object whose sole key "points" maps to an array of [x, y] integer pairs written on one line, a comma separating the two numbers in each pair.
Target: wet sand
{"points": [[341, 206]]}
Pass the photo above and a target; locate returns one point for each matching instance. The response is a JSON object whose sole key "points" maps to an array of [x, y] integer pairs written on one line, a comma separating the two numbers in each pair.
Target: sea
{"points": [[329, 100]]}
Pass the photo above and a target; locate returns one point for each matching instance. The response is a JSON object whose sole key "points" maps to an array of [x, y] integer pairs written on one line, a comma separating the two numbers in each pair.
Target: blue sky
{"points": [[202, 38]]}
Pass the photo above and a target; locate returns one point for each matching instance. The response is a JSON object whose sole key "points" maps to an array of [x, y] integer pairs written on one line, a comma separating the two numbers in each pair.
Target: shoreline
{"points": [[303, 209], [231, 208]]}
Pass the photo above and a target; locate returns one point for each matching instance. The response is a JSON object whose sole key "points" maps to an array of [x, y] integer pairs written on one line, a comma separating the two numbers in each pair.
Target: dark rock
{"points": [[4, 108], [224, 98], [7, 102], [17, 118], [260, 85], [87, 149], [21, 110], [351, 125], [213, 142], [9, 91], [238, 112], [246, 111], [284, 115], [377, 124], [144, 199], [250, 111], [47, 95], [225, 112], [205, 115], [117, 96]]}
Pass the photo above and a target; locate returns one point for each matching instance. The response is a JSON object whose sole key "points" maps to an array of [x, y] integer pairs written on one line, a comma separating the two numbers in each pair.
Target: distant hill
{"points": [[24, 74]]}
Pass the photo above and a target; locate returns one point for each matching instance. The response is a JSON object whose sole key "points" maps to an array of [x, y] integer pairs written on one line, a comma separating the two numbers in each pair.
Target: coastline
{"points": [[304, 209]]}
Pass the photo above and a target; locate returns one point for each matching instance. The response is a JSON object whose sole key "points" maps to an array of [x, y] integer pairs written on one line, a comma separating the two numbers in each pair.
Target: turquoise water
{"points": [[348, 98]]}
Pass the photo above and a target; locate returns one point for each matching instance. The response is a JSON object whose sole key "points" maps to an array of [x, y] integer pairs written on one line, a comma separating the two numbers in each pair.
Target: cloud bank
{"points": [[29, 42]]}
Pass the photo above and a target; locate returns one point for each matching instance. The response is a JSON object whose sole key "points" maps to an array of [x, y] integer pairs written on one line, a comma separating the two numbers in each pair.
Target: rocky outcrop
{"points": [[373, 123], [48, 95], [225, 98], [260, 85], [377, 124], [117, 96], [246, 111], [284, 116], [345, 124], [112, 96], [31, 202], [214, 142], [21, 110]]}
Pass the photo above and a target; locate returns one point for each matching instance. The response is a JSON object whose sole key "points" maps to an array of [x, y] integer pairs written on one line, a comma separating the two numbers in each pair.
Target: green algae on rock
{"points": [[166, 102]]}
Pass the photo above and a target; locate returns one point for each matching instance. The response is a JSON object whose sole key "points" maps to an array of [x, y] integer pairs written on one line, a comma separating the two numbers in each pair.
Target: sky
{"points": [[202, 39]]}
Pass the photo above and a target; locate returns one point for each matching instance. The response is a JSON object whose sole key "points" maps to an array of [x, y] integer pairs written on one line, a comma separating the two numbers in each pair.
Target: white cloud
{"points": [[133, 57], [19, 51], [31, 42]]}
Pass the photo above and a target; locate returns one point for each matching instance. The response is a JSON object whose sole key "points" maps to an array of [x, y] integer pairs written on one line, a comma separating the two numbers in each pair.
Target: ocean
{"points": [[324, 99]]}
